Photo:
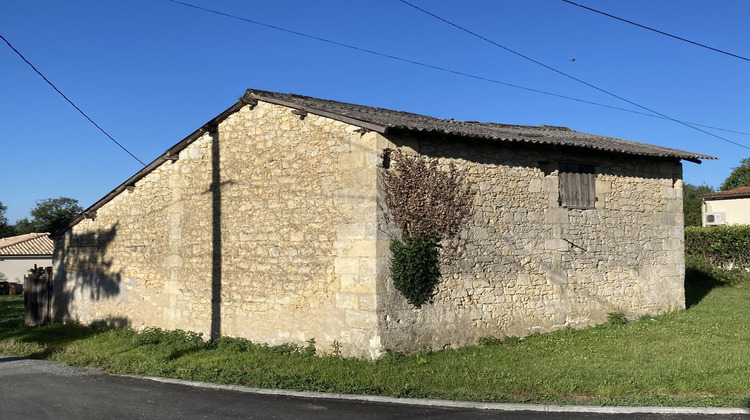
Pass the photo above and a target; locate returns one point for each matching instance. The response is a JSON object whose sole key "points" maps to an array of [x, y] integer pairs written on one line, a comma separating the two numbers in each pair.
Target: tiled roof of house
{"points": [[29, 244], [386, 120], [740, 192]]}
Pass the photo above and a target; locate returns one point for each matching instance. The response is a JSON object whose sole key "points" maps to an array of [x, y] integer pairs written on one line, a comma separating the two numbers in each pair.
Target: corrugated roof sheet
{"points": [[733, 193], [391, 120], [28, 244]]}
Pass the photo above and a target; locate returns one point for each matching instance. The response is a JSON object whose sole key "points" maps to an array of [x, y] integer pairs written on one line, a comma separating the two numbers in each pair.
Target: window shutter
{"points": [[577, 185]]}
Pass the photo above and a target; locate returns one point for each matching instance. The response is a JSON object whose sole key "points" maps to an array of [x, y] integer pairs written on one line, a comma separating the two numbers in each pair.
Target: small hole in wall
{"points": [[387, 158], [547, 167]]}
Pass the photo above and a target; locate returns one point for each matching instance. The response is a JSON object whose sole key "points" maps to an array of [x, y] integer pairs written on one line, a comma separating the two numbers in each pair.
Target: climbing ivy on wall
{"points": [[415, 267], [428, 204]]}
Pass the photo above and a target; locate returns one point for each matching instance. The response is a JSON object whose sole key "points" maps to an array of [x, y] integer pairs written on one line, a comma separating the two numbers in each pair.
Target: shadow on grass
{"points": [[701, 277], [11, 312], [698, 284], [48, 338]]}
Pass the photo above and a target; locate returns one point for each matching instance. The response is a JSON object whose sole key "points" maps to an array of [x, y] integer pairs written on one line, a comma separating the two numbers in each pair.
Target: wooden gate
{"points": [[37, 286]]}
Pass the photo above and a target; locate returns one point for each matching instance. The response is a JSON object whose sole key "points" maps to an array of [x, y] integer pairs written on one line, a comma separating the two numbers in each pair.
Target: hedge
{"points": [[721, 246]]}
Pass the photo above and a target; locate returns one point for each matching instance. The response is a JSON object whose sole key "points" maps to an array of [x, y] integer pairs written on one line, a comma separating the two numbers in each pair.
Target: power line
{"points": [[69, 101], [569, 76], [405, 60], [658, 31], [707, 126], [434, 67]]}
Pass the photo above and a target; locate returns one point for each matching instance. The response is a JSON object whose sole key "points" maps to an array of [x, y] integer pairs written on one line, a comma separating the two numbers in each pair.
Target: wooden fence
{"points": [[37, 286]]}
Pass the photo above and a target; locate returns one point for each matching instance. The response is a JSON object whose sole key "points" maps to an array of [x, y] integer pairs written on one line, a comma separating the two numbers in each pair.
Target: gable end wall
{"points": [[282, 252]]}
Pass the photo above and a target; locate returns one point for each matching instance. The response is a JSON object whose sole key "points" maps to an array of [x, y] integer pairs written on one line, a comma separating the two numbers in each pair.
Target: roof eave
{"points": [[404, 130], [725, 197]]}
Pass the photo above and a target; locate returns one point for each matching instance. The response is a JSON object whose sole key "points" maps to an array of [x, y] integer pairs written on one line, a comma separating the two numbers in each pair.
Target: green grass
{"points": [[695, 357]]}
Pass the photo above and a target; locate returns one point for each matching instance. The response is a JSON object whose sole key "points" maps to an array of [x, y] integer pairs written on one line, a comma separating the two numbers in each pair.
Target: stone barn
{"points": [[269, 223]]}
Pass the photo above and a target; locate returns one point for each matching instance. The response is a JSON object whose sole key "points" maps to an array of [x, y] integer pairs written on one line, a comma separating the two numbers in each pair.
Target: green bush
{"points": [[233, 344], [721, 246], [616, 318], [415, 267], [155, 335], [242, 345]]}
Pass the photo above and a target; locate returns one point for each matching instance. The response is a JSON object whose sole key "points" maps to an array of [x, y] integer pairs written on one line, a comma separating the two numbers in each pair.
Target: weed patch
{"points": [[616, 318]]}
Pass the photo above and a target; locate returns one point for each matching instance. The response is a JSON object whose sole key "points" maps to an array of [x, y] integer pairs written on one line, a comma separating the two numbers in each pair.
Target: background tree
{"points": [[49, 215], [740, 176], [692, 202], [5, 228], [23, 226]]}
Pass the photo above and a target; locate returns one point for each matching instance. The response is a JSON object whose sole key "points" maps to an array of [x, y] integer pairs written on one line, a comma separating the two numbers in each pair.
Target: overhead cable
{"points": [[69, 101], [434, 67], [659, 32], [455, 25]]}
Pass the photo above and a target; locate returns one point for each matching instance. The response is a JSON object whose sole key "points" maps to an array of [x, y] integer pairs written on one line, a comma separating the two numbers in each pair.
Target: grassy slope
{"points": [[694, 357]]}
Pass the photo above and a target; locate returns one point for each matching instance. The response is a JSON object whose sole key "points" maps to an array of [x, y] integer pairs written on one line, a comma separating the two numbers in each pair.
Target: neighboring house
{"points": [[269, 223], [19, 254], [731, 207]]}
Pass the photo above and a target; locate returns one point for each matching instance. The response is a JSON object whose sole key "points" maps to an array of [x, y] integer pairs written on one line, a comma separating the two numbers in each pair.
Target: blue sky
{"points": [[151, 72]]}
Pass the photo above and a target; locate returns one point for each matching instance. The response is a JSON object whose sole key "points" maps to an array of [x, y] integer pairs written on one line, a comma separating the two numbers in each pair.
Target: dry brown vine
{"points": [[424, 200]]}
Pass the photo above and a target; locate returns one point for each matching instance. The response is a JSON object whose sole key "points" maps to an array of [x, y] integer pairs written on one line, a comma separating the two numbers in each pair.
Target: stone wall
{"points": [[285, 244], [524, 264]]}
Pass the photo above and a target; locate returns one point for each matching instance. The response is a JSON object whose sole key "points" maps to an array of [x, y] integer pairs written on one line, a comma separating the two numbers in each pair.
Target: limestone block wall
{"points": [[263, 229], [525, 264]]}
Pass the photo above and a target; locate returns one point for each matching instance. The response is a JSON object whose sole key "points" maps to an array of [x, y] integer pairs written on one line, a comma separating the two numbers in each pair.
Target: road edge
{"points": [[456, 404]]}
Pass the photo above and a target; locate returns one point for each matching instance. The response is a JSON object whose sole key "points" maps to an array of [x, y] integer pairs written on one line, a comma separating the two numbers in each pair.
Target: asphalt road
{"points": [[34, 389]]}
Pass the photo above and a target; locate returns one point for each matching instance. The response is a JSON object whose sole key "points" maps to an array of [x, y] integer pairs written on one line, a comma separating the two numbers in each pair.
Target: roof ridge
{"points": [[739, 191], [275, 95], [12, 240], [37, 243], [384, 120]]}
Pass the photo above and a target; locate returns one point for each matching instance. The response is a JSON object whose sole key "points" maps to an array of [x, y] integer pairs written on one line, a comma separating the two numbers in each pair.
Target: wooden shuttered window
{"points": [[577, 185]]}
